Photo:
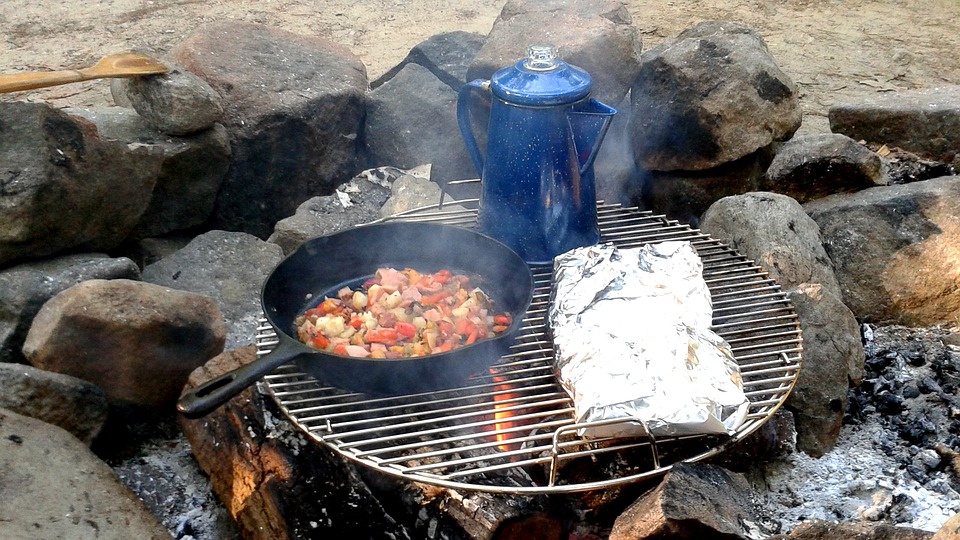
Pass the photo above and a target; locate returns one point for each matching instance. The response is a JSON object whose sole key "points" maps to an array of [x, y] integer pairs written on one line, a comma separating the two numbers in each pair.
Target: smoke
{"points": [[618, 178]]}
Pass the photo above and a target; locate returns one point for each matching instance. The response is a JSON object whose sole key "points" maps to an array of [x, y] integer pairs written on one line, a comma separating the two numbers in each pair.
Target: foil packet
{"points": [[632, 341]]}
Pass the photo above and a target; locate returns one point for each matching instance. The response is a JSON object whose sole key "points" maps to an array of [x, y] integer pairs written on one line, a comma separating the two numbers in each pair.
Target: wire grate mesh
{"points": [[512, 430]]}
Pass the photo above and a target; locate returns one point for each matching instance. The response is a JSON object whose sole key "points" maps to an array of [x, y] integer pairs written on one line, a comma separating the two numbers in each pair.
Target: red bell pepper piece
{"points": [[434, 299], [356, 321], [320, 341], [405, 329], [387, 336], [446, 328]]}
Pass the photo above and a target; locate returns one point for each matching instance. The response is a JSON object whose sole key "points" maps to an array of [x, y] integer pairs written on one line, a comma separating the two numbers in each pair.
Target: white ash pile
{"points": [[896, 460]]}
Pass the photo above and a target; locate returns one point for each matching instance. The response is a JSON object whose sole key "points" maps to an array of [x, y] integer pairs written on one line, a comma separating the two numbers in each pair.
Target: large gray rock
{"points": [[64, 187], [412, 121], [137, 341], [686, 195], [176, 103], [894, 250], [832, 359], [774, 231], [814, 166], [710, 96], [446, 55], [595, 35], [693, 501], [353, 203], [823, 530], [925, 122], [950, 529], [73, 404], [25, 288], [191, 168], [55, 487], [294, 109], [228, 267]]}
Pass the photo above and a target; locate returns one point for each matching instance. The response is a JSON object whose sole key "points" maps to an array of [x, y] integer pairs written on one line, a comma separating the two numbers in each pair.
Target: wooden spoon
{"points": [[114, 65]]}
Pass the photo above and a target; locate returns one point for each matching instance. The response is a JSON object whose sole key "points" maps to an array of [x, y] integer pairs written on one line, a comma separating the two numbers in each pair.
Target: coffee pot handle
{"points": [[465, 120]]}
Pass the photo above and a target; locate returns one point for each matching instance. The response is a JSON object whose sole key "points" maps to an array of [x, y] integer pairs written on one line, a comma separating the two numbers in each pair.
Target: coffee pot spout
{"points": [[589, 121]]}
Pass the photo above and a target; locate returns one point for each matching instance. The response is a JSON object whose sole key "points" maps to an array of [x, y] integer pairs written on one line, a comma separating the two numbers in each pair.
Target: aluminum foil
{"points": [[631, 333]]}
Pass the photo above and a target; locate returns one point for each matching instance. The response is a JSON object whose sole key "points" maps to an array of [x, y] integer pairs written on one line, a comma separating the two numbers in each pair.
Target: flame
{"points": [[502, 416]]}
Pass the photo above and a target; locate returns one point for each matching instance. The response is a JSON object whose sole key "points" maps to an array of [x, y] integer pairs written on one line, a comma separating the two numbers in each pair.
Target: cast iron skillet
{"points": [[323, 265]]}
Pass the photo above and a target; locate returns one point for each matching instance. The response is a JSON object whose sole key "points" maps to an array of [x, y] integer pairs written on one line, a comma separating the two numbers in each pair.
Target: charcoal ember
{"points": [[946, 366], [927, 459], [915, 430], [876, 386], [910, 390], [881, 361], [858, 406], [889, 403], [915, 358], [917, 473], [928, 385], [454, 515]]}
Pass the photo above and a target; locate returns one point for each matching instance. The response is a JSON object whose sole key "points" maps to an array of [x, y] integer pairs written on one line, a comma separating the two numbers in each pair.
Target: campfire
{"points": [[514, 424]]}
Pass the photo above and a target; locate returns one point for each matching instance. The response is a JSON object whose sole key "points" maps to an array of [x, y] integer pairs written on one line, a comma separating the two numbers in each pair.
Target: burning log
{"points": [[439, 512], [274, 482], [278, 484]]}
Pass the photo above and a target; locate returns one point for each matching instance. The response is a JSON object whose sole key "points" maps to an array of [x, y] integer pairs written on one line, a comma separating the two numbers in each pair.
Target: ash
{"points": [[896, 460], [166, 477]]}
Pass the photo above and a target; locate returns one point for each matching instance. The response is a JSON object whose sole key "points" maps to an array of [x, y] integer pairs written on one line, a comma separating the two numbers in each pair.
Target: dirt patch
{"points": [[837, 51]]}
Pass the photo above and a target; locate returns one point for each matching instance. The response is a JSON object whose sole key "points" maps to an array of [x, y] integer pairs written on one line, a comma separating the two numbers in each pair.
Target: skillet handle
{"points": [[208, 396]]}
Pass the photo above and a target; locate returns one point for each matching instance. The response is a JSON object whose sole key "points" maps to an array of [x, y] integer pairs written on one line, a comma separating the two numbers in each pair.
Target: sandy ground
{"points": [[836, 50]]}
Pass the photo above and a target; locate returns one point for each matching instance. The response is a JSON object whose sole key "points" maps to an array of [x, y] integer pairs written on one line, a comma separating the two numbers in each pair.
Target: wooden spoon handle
{"points": [[28, 81]]}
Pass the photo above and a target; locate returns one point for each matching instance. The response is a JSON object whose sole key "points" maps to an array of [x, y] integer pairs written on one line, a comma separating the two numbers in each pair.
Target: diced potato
{"points": [[401, 314], [331, 325], [359, 300], [393, 300]]}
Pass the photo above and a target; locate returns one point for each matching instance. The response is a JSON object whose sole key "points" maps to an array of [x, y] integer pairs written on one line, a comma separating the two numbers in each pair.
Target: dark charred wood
{"points": [[274, 482], [439, 512], [693, 501]]}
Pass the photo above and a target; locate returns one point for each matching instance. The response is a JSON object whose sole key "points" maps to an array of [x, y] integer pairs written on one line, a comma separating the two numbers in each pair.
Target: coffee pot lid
{"points": [[542, 79]]}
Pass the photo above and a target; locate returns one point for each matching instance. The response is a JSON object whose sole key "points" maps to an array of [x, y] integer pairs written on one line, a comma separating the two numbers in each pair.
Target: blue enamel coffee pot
{"points": [[538, 194]]}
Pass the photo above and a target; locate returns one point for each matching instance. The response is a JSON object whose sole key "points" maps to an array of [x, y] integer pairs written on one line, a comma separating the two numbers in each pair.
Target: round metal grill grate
{"points": [[512, 430]]}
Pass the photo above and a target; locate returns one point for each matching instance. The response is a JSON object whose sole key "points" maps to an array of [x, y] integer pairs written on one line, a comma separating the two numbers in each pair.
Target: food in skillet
{"points": [[399, 314]]}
